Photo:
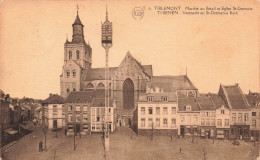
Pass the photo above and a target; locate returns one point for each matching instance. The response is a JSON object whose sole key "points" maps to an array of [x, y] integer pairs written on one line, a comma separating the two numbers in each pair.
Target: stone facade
{"points": [[77, 118], [126, 82]]}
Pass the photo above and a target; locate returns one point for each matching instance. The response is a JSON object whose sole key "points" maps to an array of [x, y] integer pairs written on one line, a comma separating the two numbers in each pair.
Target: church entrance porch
{"points": [[128, 94], [124, 117]]}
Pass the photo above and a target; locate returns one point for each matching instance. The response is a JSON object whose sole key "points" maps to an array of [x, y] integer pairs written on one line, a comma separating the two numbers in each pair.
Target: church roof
{"points": [[77, 21], [99, 73], [172, 83]]}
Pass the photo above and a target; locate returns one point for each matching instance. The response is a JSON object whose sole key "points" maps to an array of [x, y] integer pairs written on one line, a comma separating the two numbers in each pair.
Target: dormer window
{"points": [[165, 99], [188, 107], [150, 98]]}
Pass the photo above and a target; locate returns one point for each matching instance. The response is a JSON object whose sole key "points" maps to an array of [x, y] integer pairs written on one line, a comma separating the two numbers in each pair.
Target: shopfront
{"points": [[241, 132]]}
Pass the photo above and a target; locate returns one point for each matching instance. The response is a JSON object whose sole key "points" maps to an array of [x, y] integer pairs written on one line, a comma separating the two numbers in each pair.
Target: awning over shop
{"points": [[11, 131]]}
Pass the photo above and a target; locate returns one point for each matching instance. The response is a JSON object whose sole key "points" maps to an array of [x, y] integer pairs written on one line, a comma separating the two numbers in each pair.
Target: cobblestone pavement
{"points": [[126, 145]]}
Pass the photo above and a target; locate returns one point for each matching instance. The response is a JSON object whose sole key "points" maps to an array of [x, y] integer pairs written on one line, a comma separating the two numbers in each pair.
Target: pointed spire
{"points": [[77, 20], [106, 13]]}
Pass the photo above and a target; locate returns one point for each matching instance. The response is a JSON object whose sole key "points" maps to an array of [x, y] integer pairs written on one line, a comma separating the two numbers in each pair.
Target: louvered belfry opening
{"points": [[128, 94]]}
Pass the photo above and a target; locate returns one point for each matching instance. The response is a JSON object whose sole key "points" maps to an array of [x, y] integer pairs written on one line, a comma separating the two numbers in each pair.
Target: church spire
{"points": [[106, 13], [78, 33]]}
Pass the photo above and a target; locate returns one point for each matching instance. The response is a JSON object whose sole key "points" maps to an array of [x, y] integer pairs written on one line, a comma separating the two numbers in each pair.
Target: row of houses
{"points": [[228, 114], [13, 113], [81, 112]]}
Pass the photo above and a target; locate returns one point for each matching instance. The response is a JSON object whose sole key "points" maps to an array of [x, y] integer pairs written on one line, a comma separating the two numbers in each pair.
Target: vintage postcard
{"points": [[129, 80]]}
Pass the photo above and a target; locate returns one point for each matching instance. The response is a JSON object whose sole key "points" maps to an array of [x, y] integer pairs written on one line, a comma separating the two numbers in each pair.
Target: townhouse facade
{"points": [[207, 117], [157, 114], [189, 116], [239, 111], [53, 112], [77, 112], [254, 101], [222, 117], [98, 118]]}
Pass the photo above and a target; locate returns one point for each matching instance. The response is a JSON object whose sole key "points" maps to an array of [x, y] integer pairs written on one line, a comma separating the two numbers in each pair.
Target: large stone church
{"points": [[126, 82]]}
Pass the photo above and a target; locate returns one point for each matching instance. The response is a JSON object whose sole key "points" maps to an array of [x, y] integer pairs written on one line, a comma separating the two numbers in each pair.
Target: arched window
{"points": [[100, 86], [90, 86], [68, 74], [70, 55], [74, 73], [85, 54], [77, 52], [68, 90], [74, 89]]}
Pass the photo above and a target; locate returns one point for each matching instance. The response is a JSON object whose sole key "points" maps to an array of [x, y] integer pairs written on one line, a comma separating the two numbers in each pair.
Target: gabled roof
{"points": [[54, 99], [253, 100], [77, 21], [206, 103], [1, 92], [100, 102], [235, 97], [157, 97], [172, 83], [80, 97], [218, 101], [183, 102]]}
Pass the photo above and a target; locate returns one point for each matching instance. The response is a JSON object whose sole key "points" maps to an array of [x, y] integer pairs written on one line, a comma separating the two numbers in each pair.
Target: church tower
{"points": [[78, 50], [77, 59]]}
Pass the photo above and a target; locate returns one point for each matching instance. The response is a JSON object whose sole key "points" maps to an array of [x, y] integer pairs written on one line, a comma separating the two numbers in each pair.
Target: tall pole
{"points": [[45, 146], [74, 140], [106, 41]]}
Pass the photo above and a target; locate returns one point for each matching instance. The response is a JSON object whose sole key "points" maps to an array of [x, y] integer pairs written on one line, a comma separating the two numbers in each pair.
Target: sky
{"points": [[214, 48]]}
